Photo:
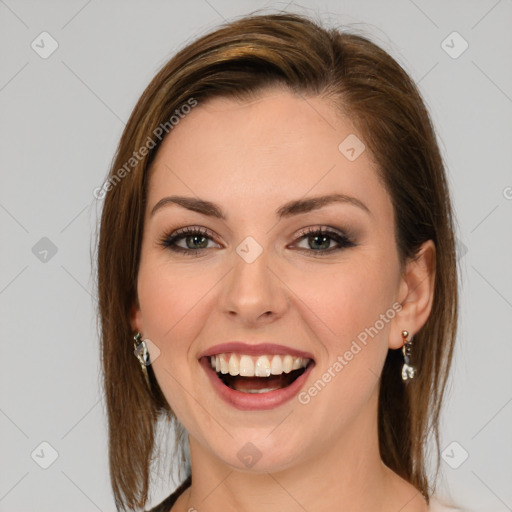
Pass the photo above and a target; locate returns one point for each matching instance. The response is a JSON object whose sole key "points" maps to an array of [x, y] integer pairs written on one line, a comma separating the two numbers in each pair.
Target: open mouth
{"points": [[262, 374]]}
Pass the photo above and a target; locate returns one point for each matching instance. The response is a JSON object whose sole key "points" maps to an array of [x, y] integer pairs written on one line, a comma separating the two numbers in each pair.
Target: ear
{"points": [[415, 294], [136, 317]]}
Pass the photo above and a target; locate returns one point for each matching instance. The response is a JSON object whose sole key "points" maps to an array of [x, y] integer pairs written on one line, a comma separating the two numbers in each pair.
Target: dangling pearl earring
{"points": [[408, 371], [142, 353]]}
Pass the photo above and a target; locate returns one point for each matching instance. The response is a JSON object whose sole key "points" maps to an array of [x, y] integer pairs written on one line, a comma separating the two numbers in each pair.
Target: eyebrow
{"points": [[291, 208]]}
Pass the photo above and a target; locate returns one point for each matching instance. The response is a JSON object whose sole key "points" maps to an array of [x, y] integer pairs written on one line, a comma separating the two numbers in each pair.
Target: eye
{"points": [[319, 241], [188, 240], [193, 240]]}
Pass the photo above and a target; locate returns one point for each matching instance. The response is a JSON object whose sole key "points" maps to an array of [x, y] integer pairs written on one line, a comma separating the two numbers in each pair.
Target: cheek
{"points": [[353, 312], [349, 299], [350, 310], [175, 302], [164, 302], [172, 303], [171, 306]]}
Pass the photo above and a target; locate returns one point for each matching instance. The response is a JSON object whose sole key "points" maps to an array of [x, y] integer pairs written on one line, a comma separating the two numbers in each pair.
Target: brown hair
{"points": [[385, 106]]}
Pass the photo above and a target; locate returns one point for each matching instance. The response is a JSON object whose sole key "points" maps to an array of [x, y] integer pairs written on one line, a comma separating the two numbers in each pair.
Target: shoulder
{"points": [[439, 505], [165, 506]]}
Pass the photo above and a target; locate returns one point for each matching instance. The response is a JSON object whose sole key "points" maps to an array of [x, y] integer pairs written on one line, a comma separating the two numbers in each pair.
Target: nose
{"points": [[254, 294]]}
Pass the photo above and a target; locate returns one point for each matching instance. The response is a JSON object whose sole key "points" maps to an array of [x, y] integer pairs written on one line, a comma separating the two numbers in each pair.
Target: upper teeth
{"points": [[261, 366]]}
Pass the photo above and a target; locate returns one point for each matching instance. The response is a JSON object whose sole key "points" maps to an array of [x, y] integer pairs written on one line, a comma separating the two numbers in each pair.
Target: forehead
{"points": [[273, 146]]}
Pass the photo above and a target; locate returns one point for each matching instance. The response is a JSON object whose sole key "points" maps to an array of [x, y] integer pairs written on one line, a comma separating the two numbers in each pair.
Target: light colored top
{"points": [[436, 505]]}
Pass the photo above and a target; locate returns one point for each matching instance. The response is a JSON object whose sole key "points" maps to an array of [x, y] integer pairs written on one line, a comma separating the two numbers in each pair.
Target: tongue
{"points": [[247, 384]]}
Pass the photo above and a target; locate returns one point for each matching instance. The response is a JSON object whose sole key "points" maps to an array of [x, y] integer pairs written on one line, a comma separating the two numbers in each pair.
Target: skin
{"points": [[250, 157]]}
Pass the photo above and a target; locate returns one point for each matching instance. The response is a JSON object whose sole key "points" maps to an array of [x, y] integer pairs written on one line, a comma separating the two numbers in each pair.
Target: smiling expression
{"points": [[238, 246]]}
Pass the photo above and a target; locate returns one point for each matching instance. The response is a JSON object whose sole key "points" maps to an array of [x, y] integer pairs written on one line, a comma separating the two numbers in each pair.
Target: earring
{"points": [[408, 371], [142, 353]]}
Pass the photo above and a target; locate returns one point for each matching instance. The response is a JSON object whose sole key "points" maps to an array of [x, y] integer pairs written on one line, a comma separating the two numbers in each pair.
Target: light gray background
{"points": [[61, 119]]}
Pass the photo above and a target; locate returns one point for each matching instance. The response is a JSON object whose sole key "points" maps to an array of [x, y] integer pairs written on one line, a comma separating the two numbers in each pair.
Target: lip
{"points": [[253, 401], [259, 349]]}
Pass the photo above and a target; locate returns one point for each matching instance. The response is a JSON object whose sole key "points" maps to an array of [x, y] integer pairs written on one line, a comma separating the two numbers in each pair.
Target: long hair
{"points": [[373, 90]]}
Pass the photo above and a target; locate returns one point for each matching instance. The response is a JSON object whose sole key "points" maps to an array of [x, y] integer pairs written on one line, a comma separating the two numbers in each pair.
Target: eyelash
{"points": [[169, 241]]}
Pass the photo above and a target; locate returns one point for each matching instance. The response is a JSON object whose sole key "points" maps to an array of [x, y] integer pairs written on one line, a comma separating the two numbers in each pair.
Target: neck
{"points": [[346, 475]]}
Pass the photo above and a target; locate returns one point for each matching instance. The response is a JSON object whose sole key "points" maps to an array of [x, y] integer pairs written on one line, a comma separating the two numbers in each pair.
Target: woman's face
{"points": [[263, 274]]}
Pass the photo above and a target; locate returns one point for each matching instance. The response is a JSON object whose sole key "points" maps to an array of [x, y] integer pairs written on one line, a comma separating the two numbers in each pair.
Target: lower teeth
{"points": [[252, 391]]}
